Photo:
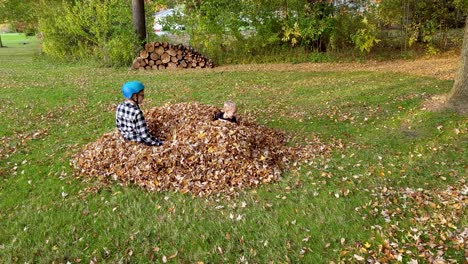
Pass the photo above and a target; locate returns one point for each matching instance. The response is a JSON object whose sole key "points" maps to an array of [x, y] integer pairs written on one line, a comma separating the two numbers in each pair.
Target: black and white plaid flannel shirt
{"points": [[131, 123]]}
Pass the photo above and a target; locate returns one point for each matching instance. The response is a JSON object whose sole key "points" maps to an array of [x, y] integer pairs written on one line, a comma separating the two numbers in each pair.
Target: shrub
{"points": [[224, 30], [310, 26], [89, 30], [365, 38]]}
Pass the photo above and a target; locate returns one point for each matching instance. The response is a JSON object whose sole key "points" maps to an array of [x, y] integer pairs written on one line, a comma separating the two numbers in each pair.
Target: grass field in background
{"points": [[18, 44], [313, 215]]}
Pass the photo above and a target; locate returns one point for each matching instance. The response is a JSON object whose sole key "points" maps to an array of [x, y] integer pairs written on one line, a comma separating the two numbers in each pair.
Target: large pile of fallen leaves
{"points": [[199, 155]]}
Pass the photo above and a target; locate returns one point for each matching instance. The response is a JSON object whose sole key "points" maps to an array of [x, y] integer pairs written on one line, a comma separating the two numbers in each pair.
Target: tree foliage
{"points": [[250, 27], [97, 30], [226, 29], [21, 14], [422, 20]]}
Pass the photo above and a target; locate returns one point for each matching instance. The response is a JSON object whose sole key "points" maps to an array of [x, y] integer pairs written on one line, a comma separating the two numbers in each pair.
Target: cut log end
{"points": [[162, 55]]}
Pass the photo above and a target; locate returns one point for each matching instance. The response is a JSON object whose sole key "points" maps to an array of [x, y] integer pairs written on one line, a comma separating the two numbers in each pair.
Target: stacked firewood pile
{"points": [[199, 156], [162, 55]]}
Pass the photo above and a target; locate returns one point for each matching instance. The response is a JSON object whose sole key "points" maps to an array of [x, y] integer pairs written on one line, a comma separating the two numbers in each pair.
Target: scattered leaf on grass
{"points": [[434, 233]]}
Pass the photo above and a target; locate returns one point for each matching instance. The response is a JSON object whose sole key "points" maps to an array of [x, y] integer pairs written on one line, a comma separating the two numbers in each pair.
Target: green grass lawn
{"points": [[333, 209]]}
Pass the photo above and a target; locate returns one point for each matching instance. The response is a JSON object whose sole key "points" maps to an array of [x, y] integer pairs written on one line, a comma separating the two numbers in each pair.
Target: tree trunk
{"points": [[1, 43], [458, 97], [138, 8]]}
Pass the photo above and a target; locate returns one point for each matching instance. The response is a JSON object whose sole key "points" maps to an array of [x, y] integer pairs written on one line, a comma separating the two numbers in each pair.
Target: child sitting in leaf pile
{"points": [[228, 113], [129, 118]]}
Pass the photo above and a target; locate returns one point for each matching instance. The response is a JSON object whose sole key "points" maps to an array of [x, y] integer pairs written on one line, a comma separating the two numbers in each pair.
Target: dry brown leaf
{"points": [[199, 156]]}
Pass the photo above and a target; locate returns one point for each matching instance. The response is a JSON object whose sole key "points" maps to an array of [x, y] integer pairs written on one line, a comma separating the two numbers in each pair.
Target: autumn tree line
{"points": [[232, 31]]}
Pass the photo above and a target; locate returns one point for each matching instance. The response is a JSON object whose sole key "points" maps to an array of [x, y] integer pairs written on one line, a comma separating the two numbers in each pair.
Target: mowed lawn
{"points": [[396, 191]]}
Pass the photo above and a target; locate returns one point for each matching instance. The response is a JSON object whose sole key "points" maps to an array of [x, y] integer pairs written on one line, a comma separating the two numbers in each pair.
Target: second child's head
{"points": [[229, 109], [134, 90]]}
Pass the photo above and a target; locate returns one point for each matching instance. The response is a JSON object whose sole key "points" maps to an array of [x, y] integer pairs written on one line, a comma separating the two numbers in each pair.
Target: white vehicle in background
{"points": [[160, 22]]}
